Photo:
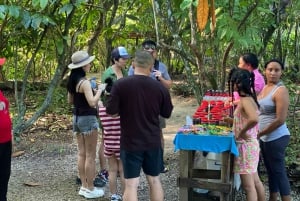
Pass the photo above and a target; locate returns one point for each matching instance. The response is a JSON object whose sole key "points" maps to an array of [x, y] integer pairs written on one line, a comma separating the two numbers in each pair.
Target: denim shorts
{"points": [[85, 124]]}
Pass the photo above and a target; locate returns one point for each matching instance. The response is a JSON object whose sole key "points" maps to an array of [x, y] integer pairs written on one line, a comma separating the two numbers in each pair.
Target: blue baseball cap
{"points": [[120, 52]]}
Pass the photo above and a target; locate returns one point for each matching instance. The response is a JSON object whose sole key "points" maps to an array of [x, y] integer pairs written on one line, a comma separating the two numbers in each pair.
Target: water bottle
{"points": [[188, 121], [93, 83]]}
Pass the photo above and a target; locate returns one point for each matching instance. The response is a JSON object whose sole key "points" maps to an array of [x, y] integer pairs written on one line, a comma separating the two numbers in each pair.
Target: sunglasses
{"points": [[148, 47]]}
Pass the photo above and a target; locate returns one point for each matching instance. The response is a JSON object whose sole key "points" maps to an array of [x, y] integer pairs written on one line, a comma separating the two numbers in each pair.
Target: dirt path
{"points": [[50, 165]]}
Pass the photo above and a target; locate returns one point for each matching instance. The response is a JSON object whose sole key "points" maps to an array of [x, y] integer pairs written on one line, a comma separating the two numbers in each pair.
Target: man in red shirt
{"points": [[5, 143]]}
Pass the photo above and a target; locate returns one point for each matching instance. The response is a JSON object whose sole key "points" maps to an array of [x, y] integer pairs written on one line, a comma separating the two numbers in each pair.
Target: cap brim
{"points": [[89, 60]]}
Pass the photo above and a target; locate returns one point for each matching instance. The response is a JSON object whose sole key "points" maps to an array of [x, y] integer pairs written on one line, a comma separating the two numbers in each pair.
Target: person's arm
{"points": [[228, 120], [167, 107], [88, 93], [166, 83], [163, 75], [249, 108], [70, 98], [112, 106], [259, 83], [13, 145], [281, 100]]}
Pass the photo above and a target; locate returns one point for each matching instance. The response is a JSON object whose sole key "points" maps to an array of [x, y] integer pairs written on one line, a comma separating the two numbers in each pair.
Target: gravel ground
{"points": [[54, 172], [47, 170]]}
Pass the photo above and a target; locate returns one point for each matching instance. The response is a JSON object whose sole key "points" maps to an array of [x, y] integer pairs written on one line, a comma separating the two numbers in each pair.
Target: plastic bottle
{"points": [[93, 83], [188, 121]]}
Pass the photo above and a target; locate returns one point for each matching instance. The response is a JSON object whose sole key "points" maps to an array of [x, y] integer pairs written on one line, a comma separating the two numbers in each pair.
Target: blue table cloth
{"points": [[209, 143]]}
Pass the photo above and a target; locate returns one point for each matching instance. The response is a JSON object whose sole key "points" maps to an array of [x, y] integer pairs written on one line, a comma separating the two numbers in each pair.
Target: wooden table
{"points": [[190, 178]]}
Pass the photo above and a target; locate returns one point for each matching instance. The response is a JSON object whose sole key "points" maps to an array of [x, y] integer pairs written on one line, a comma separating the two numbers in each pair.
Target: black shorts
{"points": [[133, 162]]}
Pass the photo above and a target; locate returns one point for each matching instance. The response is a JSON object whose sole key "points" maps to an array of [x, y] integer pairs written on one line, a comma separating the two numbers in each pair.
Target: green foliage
{"points": [[182, 89], [39, 36], [67, 8], [14, 11], [27, 19], [186, 4], [293, 122], [43, 4], [36, 95], [59, 103]]}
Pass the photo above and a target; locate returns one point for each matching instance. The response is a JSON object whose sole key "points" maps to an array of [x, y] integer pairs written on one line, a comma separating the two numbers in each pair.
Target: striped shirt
{"points": [[111, 130]]}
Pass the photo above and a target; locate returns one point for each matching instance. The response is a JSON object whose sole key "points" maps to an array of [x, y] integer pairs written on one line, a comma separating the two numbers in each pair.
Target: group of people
{"points": [[259, 127], [132, 107]]}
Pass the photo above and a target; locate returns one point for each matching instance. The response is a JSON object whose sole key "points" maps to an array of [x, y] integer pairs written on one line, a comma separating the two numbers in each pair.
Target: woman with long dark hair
{"points": [[85, 121]]}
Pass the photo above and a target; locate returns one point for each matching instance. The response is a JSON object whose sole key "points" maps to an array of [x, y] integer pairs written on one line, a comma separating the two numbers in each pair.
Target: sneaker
{"points": [[103, 174], [78, 181], [165, 169], [95, 193], [98, 182], [82, 191], [115, 197]]}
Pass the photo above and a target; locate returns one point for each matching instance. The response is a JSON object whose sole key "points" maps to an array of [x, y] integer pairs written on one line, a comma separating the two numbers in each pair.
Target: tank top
{"points": [[239, 122], [267, 116], [81, 106]]}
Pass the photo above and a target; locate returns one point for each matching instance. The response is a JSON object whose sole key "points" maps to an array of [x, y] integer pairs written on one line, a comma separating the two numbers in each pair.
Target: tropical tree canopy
{"points": [[197, 39]]}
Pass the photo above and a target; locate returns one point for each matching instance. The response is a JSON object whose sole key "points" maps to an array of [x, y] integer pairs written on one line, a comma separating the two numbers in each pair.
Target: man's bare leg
{"points": [[131, 186], [156, 190]]}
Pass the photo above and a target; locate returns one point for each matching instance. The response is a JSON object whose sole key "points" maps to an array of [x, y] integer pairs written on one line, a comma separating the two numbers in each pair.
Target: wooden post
{"points": [[189, 177], [225, 173], [185, 170], [183, 173]]}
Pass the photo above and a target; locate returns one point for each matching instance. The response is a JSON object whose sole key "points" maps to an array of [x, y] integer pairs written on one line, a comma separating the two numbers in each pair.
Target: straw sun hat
{"points": [[80, 59]]}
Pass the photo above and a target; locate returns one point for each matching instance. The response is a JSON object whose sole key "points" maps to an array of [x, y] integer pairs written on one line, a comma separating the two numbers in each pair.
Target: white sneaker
{"points": [[82, 191], [115, 197], [95, 193]]}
